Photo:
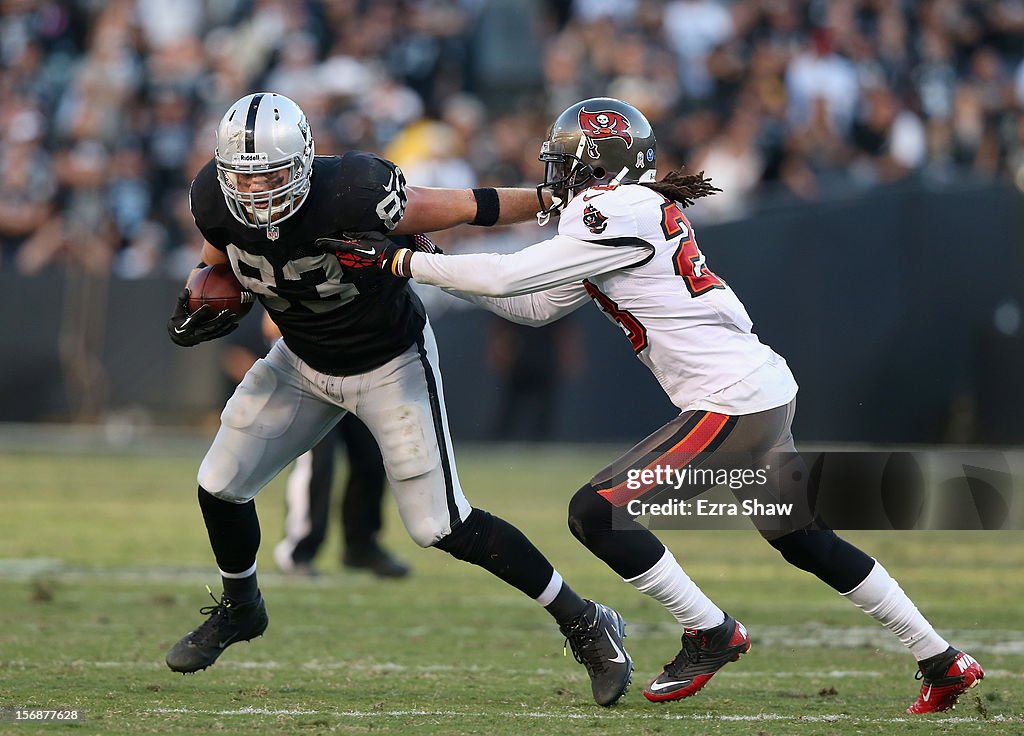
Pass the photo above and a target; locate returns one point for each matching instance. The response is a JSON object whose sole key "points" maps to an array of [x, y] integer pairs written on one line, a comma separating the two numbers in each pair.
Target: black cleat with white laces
{"points": [[595, 638], [704, 652], [227, 623]]}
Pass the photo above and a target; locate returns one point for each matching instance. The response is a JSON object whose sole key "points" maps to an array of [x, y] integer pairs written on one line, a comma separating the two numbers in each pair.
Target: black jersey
{"points": [[337, 320]]}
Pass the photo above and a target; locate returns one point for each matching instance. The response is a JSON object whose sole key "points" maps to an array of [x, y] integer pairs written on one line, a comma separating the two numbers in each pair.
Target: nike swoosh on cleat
{"points": [[222, 644], [620, 658], [925, 696], [657, 686]]}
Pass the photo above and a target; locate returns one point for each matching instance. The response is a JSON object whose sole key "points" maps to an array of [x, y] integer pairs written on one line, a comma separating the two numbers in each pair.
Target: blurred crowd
{"points": [[108, 107]]}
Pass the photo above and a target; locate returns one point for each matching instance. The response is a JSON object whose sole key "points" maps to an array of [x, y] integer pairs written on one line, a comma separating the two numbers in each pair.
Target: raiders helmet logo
{"points": [[602, 125], [594, 220]]}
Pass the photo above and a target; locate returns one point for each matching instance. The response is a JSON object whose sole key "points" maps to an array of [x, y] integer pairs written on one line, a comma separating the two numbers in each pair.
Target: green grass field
{"points": [[104, 558]]}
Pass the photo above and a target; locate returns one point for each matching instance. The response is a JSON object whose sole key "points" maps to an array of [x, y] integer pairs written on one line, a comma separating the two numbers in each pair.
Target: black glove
{"points": [[191, 329], [369, 250]]}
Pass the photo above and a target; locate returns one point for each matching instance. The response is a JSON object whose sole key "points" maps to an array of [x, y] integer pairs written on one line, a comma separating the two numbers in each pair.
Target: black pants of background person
{"points": [[308, 505], [530, 365]]}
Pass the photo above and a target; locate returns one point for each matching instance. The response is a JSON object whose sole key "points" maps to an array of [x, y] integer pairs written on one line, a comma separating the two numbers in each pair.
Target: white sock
{"points": [[669, 585], [882, 598], [238, 575], [549, 593]]}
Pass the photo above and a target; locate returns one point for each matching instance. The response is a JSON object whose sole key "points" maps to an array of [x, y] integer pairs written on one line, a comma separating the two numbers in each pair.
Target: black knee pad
{"points": [[589, 512], [470, 539], [820, 552]]}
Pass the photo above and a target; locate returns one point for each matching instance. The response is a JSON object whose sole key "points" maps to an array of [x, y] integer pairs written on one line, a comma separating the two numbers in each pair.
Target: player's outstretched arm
{"points": [[374, 250], [536, 309], [431, 209], [554, 262]]}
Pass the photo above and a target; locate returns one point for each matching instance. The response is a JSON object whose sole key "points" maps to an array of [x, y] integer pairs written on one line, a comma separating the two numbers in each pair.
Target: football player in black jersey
{"points": [[354, 339]]}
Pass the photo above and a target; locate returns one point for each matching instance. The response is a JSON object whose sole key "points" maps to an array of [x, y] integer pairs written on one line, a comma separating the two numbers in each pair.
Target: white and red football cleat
{"points": [[945, 681]]}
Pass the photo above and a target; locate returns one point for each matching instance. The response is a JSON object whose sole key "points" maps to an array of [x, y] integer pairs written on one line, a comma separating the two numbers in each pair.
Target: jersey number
{"points": [[689, 261], [635, 331], [392, 207], [313, 282]]}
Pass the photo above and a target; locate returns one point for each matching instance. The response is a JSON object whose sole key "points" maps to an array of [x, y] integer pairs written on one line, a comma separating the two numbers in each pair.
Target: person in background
{"points": [[308, 501]]}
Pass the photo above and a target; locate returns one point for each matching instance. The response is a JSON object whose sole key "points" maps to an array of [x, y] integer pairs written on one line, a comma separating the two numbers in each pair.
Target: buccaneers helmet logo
{"points": [[602, 125], [594, 220]]}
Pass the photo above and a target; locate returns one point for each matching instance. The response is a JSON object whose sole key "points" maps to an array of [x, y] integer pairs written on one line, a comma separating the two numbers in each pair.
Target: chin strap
{"points": [[557, 205], [544, 216]]}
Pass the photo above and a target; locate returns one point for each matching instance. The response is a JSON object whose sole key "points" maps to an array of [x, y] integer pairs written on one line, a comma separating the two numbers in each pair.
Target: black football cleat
{"points": [[703, 654], [943, 681], [375, 559], [596, 641], [227, 623]]}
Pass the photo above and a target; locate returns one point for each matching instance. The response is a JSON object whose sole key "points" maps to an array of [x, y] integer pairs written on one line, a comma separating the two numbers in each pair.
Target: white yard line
{"points": [[327, 666], [569, 716]]}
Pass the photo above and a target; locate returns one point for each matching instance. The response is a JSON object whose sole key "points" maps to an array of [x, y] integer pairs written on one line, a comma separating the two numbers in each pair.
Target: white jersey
{"points": [[635, 254]]}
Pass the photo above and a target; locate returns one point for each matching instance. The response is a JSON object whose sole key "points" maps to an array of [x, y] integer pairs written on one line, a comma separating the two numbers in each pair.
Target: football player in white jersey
{"points": [[624, 242]]}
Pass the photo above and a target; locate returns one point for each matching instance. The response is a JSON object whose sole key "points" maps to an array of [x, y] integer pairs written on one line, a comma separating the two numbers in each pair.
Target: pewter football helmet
{"points": [[264, 133], [595, 141]]}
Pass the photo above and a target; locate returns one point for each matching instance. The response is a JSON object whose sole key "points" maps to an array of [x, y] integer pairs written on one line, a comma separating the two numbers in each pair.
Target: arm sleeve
{"points": [[536, 309], [560, 260]]}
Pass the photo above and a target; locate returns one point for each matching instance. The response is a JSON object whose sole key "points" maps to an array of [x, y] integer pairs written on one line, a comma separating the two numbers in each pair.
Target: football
{"points": [[217, 286]]}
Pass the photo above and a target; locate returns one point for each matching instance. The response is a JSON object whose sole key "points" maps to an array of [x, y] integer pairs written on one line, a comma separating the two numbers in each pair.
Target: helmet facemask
{"points": [[564, 174], [270, 206]]}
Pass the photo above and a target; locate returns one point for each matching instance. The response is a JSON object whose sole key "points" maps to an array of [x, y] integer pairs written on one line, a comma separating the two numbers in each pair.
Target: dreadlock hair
{"points": [[683, 188]]}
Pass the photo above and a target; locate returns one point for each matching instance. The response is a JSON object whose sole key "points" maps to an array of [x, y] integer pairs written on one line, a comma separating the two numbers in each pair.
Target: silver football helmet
{"points": [[264, 134]]}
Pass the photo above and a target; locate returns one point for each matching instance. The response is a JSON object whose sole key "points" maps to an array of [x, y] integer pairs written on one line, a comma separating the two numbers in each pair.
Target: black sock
{"points": [[820, 552], [241, 590], [504, 551], [620, 542], [566, 606], [234, 531]]}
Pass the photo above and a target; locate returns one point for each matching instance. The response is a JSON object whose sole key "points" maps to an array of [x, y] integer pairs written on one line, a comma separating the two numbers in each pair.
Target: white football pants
{"points": [[283, 407]]}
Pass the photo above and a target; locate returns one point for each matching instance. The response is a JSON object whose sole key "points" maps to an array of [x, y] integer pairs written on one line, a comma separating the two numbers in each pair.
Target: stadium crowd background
{"points": [[107, 109]]}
